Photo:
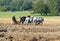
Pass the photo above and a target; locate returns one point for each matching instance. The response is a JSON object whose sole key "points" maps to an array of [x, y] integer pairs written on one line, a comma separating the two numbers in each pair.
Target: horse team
{"points": [[28, 20]]}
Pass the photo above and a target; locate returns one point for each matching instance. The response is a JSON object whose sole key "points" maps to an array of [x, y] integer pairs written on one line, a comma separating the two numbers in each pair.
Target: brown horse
{"points": [[14, 20]]}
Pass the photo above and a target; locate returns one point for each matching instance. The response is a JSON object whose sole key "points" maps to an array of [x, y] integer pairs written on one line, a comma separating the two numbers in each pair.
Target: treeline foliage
{"points": [[44, 7], [47, 7], [15, 5]]}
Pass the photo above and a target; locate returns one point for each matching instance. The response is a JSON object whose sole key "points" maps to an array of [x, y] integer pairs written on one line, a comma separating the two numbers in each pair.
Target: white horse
{"points": [[29, 19], [39, 20], [35, 20]]}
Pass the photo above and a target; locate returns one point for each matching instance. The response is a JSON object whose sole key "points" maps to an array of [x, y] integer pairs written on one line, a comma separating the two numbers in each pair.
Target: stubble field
{"points": [[49, 31]]}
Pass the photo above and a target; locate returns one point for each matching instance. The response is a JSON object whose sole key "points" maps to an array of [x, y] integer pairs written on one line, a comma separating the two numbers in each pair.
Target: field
{"points": [[49, 31]]}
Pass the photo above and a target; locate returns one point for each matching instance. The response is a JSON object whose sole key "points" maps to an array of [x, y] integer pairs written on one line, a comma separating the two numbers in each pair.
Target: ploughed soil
{"points": [[49, 31]]}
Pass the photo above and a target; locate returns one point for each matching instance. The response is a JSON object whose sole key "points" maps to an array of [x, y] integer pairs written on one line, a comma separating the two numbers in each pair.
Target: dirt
{"points": [[49, 31], [46, 20]]}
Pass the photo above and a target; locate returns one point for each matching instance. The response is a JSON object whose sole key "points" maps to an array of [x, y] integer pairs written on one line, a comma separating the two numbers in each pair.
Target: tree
{"points": [[46, 10], [40, 7], [16, 5], [58, 5], [52, 4], [27, 4]]}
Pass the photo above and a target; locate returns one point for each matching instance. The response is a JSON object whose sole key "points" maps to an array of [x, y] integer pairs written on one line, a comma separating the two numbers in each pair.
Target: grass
{"points": [[21, 13], [10, 14]]}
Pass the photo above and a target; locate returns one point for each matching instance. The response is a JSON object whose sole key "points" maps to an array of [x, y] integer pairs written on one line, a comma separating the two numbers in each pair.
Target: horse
{"points": [[22, 19], [29, 19], [36, 20], [14, 20], [39, 20]]}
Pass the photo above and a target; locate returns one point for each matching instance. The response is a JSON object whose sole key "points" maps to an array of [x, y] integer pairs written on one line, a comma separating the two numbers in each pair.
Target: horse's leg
{"points": [[35, 23], [22, 22], [16, 22], [41, 23], [38, 23]]}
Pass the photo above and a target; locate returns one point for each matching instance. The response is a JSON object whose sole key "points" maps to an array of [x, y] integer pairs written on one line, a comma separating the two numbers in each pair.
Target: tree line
{"points": [[44, 7], [15, 5]]}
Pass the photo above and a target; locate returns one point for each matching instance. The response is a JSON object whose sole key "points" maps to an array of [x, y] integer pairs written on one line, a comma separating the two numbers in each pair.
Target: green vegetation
{"points": [[47, 7], [17, 14], [44, 7], [22, 13], [15, 5]]}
